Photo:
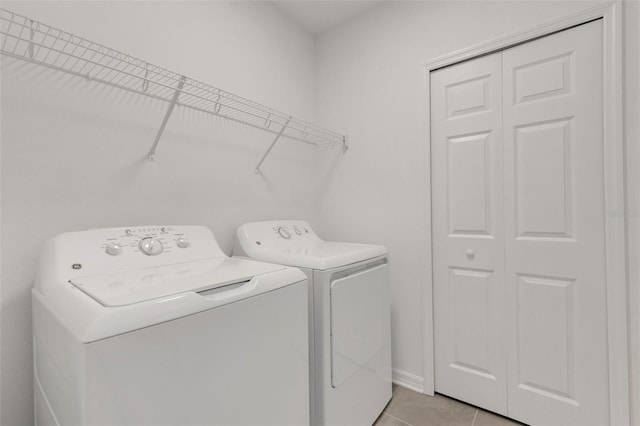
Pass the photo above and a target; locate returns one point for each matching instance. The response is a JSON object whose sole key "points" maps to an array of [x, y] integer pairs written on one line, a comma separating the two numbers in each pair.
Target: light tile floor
{"points": [[409, 408]]}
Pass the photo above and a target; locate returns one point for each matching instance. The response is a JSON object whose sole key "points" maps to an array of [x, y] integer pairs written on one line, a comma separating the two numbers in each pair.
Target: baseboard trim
{"points": [[408, 380]]}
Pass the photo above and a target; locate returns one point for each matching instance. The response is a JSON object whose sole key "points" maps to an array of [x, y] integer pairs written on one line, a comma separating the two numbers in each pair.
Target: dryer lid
{"points": [[294, 243], [130, 287], [321, 256]]}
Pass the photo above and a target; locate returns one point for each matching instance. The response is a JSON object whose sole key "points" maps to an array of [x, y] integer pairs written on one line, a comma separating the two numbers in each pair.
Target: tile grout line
{"points": [[473, 422], [395, 418]]}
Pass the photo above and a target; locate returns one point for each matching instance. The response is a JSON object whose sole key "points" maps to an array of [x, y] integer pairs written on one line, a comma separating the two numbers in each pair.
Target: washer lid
{"points": [[130, 287], [322, 255]]}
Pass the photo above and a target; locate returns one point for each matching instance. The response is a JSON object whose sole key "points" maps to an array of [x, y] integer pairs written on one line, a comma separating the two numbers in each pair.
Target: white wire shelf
{"points": [[32, 41]]}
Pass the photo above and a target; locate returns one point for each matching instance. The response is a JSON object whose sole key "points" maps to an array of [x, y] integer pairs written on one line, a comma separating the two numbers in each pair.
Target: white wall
{"points": [[369, 83], [73, 152], [631, 61]]}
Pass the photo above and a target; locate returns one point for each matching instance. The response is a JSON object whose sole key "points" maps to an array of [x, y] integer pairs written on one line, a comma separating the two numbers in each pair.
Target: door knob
{"points": [[470, 254]]}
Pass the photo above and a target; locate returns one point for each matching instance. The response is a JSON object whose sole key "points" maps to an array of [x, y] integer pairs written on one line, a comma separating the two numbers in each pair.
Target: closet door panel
{"points": [[468, 240], [554, 229]]}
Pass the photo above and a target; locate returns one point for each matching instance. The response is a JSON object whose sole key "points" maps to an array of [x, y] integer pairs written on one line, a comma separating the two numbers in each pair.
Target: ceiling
{"points": [[317, 16]]}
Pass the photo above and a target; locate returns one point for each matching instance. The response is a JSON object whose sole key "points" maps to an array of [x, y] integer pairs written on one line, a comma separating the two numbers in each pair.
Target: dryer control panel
{"points": [[282, 234], [295, 230]]}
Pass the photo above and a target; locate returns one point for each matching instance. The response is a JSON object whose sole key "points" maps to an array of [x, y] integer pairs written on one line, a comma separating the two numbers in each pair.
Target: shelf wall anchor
{"points": [[284, 126], [152, 152]]}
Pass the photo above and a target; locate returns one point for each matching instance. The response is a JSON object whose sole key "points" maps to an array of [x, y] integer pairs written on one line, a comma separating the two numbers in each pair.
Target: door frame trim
{"points": [[614, 197]]}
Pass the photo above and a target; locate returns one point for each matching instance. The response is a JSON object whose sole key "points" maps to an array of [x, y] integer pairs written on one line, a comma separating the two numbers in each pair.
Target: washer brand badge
{"points": [[76, 266]]}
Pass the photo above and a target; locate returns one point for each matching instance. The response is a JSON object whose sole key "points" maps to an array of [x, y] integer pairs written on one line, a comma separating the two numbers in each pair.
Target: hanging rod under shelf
{"points": [[39, 43]]}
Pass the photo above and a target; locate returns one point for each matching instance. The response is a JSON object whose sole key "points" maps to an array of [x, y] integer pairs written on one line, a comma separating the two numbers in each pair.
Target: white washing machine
{"points": [[157, 326], [349, 309]]}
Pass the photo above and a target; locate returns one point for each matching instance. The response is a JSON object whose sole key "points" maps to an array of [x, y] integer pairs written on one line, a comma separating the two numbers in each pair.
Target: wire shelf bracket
{"points": [[152, 152], [38, 43], [278, 136]]}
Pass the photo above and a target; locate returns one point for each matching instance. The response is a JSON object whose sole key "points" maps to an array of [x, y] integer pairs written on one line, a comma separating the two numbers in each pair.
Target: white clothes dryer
{"points": [[157, 326], [349, 306]]}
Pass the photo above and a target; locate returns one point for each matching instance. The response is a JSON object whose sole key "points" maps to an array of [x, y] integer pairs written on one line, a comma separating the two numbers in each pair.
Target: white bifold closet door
{"points": [[518, 230]]}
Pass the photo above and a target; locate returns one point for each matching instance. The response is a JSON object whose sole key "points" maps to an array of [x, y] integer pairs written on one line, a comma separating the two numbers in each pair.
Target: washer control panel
{"points": [[98, 251], [149, 241]]}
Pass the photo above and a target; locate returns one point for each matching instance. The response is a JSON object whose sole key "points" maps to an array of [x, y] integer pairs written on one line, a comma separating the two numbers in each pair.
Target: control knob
{"points": [[150, 246], [284, 233], [182, 242], [113, 249]]}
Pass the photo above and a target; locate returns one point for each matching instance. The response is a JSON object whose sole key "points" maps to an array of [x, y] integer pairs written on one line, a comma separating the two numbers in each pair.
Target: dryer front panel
{"points": [[359, 321]]}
